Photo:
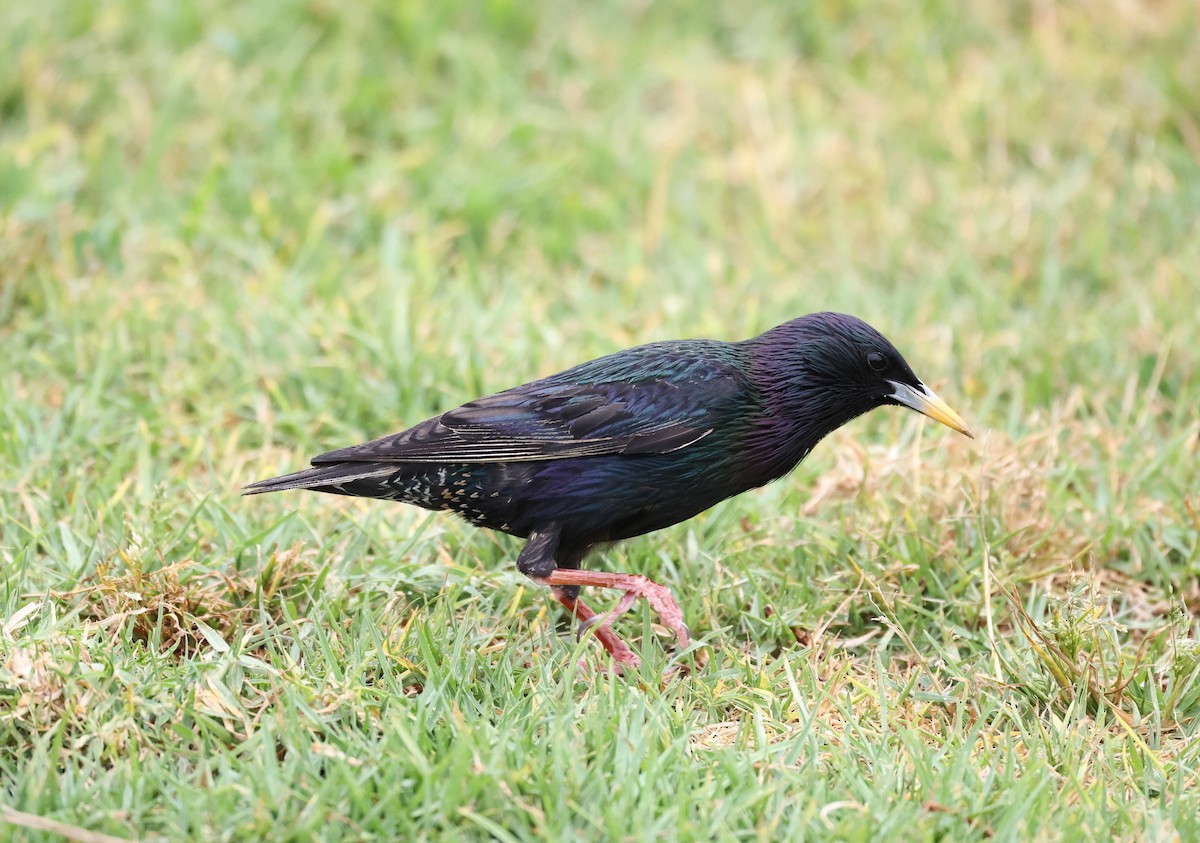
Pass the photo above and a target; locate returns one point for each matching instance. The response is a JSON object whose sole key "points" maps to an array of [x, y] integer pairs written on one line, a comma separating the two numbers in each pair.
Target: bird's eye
{"points": [[875, 361]]}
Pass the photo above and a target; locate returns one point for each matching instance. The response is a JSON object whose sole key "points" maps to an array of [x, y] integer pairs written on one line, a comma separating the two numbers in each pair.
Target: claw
{"points": [[585, 625]]}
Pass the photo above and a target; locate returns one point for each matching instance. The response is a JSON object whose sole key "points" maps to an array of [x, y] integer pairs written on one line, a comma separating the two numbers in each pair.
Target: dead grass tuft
{"points": [[186, 608], [182, 610], [34, 674], [35, 679]]}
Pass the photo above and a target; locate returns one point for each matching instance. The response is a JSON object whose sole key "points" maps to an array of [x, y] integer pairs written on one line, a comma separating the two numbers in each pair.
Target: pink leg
{"points": [[611, 642], [634, 585]]}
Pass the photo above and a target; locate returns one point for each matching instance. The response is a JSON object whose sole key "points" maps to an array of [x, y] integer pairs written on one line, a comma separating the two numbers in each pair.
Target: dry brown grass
{"points": [[186, 607]]}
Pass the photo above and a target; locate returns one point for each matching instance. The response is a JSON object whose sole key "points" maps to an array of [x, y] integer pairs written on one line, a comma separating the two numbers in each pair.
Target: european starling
{"points": [[630, 443]]}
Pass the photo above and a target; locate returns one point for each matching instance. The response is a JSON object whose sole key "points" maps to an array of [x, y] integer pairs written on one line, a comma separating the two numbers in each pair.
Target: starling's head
{"points": [[841, 361]]}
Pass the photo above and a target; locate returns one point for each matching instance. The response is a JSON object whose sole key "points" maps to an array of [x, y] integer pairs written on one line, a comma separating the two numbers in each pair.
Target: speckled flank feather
{"points": [[462, 489]]}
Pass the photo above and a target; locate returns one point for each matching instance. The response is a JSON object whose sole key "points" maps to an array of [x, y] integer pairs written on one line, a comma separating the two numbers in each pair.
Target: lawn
{"points": [[233, 235]]}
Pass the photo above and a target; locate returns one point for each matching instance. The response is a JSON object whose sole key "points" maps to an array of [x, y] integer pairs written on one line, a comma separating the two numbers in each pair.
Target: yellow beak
{"points": [[923, 400]]}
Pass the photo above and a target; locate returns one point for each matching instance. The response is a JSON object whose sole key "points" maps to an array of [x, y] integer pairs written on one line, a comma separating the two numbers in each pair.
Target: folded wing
{"points": [[557, 418]]}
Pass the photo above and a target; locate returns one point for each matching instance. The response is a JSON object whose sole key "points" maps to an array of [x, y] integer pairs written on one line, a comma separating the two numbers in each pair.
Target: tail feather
{"points": [[319, 477]]}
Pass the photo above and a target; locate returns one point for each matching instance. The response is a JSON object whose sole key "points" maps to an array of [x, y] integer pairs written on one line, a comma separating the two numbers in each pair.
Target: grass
{"points": [[235, 235]]}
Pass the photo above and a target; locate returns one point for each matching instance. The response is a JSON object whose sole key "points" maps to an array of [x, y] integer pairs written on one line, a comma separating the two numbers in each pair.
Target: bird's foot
{"points": [[623, 657], [622, 654], [635, 586], [660, 599]]}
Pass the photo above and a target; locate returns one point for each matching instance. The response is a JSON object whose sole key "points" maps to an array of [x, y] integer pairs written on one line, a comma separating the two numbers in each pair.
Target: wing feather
{"points": [[560, 417]]}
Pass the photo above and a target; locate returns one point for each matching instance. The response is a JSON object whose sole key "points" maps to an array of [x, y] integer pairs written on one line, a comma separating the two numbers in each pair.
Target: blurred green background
{"points": [[233, 235]]}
